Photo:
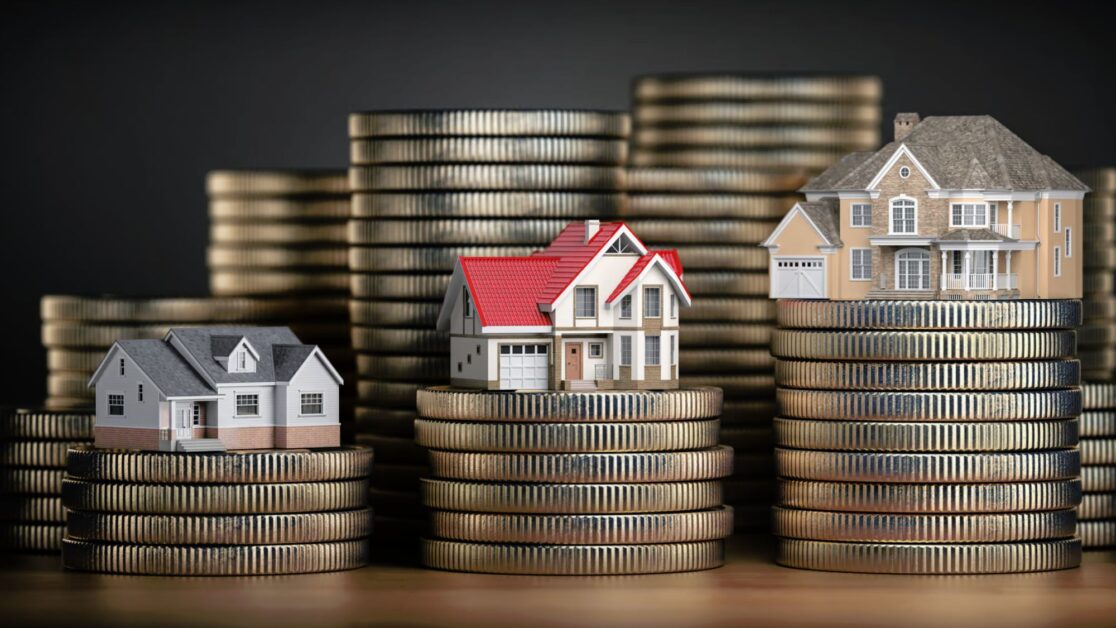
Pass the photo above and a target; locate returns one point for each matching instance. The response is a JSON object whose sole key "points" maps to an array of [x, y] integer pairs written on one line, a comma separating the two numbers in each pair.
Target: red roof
{"points": [[575, 253], [670, 256], [506, 289]]}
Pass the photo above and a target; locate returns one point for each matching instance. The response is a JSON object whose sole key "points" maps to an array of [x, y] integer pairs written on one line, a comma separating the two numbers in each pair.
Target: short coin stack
{"points": [[428, 187], [715, 163], [1097, 514], [229, 514], [572, 483], [33, 446], [931, 437], [1097, 339]]}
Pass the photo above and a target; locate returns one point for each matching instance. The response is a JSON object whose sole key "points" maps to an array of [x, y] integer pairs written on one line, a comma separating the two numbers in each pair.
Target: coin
{"points": [[1098, 396], [400, 286], [1101, 180], [1094, 335], [486, 177], [74, 361], [727, 360], [271, 529], [204, 499], [265, 209], [31, 481], [256, 282], [729, 310], [404, 341], [31, 537], [486, 205], [732, 385], [285, 257], [713, 180], [275, 182], [756, 136], [61, 404], [182, 310], [442, 402], [418, 259], [758, 87], [572, 560], [706, 231], [1102, 258], [944, 437], [388, 367], [691, 205], [775, 159], [32, 508], [1099, 283], [297, 234], [213, 560], [727, 283], [1098, 451], [569, 498], [395, 313], [238, 467], [823, 114], [487, 122], [1097, 533], [923, 315], [929, 498], [68, 384], [923, 345], [721, 335], [1097, 506], [1098, 479], [923, 528], [35, 453], [589, 529], [928, 376], [462, 231], [566, 437], [25, 423], [587, 468], [504, 150], [930, 558], [959, 468], [390, 394], [722, 257], [1099, 307]]}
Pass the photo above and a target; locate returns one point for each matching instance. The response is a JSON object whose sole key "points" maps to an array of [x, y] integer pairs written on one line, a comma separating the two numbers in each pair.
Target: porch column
{"points": [[1007, 260], [967, 269], [995, 256], [1010, 207], [942, 283]]}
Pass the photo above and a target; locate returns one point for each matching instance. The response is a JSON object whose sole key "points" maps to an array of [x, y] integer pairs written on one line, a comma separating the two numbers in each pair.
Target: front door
{"points": [[184, 427], [573, 361], [912, 269]]}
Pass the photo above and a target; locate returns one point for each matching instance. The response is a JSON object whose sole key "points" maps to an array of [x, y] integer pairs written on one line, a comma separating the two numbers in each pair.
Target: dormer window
{"points": [[621, 246], [242, 359]]}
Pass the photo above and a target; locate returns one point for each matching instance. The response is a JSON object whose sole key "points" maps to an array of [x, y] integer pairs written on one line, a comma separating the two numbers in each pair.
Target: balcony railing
{"points": [[1006, 230], [979, 281], [602, 371]]}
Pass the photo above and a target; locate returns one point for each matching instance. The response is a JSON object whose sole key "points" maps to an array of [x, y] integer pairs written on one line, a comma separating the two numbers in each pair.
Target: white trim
{"points": [[195, 398], [675, 280], [987, 245], [852, 213], [904, 169], [895, 263], [870, 269], [796, 210], [773, 271], [448, 301], [247, 345], [325, 361], [593, 262], [891, 215], [900, 241], [899, 152], [518, 329], [322, 403], [987, 215]]}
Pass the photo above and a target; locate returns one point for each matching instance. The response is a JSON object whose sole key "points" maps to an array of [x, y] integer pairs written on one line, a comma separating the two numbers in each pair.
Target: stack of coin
{"points": [[573, 483], [77, 331], [429, 186], [228, 514], [1097, 338], [1097, 514], [932, 437], [715, 162], [33, 444]]}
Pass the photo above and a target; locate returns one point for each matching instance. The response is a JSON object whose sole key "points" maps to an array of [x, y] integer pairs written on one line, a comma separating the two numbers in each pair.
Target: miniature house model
{"points": [[957, 207], [206, 389], [594, 310]]}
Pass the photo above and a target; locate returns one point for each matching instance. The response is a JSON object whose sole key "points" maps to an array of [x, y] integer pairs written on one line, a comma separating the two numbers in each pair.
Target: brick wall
{"points": [[308, 436], [126, 438]]}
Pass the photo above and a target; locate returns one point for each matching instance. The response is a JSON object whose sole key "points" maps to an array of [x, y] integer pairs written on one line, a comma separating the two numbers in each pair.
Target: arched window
{"points": [[904, 215], [912, 269]]}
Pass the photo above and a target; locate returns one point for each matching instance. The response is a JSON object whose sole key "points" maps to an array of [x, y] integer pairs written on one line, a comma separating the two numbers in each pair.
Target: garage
{"points": [[524, 366], [799, 278]]}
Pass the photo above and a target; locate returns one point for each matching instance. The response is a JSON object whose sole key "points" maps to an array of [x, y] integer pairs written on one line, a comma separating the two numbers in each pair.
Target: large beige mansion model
{"points": [[595, 309], [956, 207]]}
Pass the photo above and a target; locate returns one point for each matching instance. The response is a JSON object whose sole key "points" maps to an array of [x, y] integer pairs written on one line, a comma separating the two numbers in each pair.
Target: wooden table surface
{"points": [[750, 589]]}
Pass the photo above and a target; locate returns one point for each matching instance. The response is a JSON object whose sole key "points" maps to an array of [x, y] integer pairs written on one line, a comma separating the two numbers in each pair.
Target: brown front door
{"points": [[573, 361]]}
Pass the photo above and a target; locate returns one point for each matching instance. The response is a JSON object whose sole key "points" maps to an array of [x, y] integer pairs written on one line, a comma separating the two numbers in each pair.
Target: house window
{"points": [[1057, 227], [651, 350], [904, 172], [621, 245], [625, 350], [903, 216], [467, 303], [139, 393], [585, 302], [122, 367], [311, 403], [1069, 242], [652, 302], [116, 404], [1057, 261], [674, 350], [968, 215], [248, 405], [242, 356], [596, 349], [626, 307], [861, 261], [674, 306], [862, 214], [197, 414]]}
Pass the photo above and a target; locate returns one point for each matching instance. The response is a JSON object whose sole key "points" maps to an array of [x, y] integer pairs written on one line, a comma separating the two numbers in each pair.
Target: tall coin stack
{"points": [[714, 165], [572, 483], [33, 446], [428, 187], [1097, 514], [1097, 338], [228, 514], [929, 437]]}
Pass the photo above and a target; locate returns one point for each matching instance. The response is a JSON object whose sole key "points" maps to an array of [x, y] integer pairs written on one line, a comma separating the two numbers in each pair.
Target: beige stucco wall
{"points": [[800, 239], [1068, 285]]}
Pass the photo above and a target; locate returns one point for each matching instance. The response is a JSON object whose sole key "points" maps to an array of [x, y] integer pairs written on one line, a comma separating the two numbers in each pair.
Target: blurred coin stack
{"points": [[1097, 338], [229, 514], [930, 437], [715, 163], [572, 483], [33, 444], [428, 187], [1097, 514]]}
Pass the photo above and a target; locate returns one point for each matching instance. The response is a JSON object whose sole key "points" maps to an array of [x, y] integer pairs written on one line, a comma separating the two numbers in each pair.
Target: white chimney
{"points": [[904, 123], [591, 229]]}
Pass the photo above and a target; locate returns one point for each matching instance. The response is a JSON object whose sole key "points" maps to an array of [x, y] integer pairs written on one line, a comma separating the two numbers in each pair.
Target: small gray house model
{"points": [[216, 388]]}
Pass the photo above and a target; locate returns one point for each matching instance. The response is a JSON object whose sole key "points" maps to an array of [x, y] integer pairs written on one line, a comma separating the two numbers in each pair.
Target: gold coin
{"points": [[795, 160], [265, 209], [418, 259], [1102, 283], [725, 360], [213, 560], [708, 231], [1097, 506], [728, 310], [926, 315], [252, 282], [23, 423], [1099, 307], [206, 499], [721, 335], [945, 437], [462, 231], [273, 529], [63, 404], [572, 560], [691, 206], [1100, 258], [35, 453], [734, 386], [68, 384], [713, 180], [1098, 479], [394, 313], [722, 257], [393, 450], [1095, 534], [276, 183], [31, 481], [667, 527], [276, 233], [32, 508], [1098, 395], [503, 497], [928, 376], [930, 558], [489, 122], [727, 283], [923, 528], [566, 437], [929, 498], [930, 406], [282, 257], [486, 205], [758, 87], [404, 341], [950, 468], [1097, 334], [234, 467], [824, 114], [181, 311], [74, 361], [485, 177], [756, 137], [587, 468], [31, 537], [385, 421], [446, 403], [1098, 451], [402, 286], [1101, 180], [923, 345], [403, 367], [504, 150], [389, 394]]}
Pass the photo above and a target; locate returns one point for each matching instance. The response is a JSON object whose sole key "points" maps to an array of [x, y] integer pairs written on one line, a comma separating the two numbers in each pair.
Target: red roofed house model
{"points": [[594, 310]]}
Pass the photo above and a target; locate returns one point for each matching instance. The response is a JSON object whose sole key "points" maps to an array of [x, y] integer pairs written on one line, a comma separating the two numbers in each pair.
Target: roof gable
{"points": [[667, 260], [506, 290], [198, 343], [821, 215], [576, 255], [166, 369], [290, 359]]}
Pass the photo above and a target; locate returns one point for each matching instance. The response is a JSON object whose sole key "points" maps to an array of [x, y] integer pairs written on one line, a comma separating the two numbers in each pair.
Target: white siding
{"points": [[469, 358], [136, 414], [458, 323], [605, 274], [226, 407], [313, 377], [239, 352]]}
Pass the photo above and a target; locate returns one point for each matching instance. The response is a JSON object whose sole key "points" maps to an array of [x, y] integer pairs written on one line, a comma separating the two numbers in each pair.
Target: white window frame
{"points": [[196, 414], [891, 203], [1057, 217], [242, 359], [904, 171], [579, 301], [622, 246], [954, 207], [658, 302], [673, 350], [466, 303], [673, 305], [111, 405], [139, 392], [302, 403], [852, 263], [122, 367], [1057, 261], [1069, 242], [596, 350], [929, 262], [626, 308], [868, 215], [237, 405], [625, 350], [652, 350]]}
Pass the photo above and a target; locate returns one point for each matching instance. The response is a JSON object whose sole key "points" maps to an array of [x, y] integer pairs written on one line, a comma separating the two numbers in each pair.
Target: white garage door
{"points": [[523, 367], [799, 278]]}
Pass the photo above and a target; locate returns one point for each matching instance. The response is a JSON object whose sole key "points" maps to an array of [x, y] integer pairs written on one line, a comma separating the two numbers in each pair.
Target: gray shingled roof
{"points": [[288, 359], [168, 370], [825, 214], [198, 341], [222, 346], [959, 152]]}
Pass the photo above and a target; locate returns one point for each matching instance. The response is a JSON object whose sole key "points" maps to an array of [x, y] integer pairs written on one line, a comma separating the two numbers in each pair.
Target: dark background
{"points": [[113, 112]]}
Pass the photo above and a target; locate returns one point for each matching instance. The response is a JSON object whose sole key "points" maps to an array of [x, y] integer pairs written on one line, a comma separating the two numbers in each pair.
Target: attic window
{"points": [[242, 356], [904, 172], [622, 245]]}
